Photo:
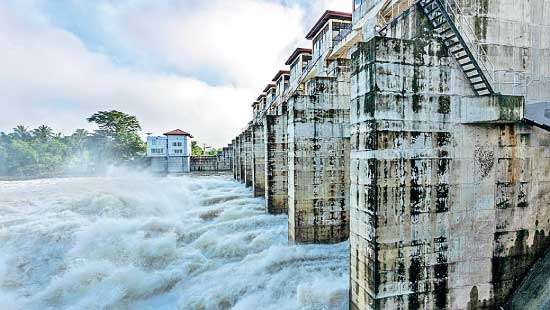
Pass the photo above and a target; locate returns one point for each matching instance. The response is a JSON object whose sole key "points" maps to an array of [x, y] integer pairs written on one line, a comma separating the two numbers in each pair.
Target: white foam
{"points": [[141, 242]]}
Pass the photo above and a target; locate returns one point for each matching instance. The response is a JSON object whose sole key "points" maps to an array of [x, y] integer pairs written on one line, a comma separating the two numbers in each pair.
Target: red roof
{"points": [[260, 97], [296, 53], [328, 15], [268, 87], [254, 103], [178, 132], [278, 75]]}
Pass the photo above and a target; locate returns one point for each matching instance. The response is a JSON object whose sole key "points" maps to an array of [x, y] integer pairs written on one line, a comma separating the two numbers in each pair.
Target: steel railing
{"points": [[394, 9], [473, 42]]}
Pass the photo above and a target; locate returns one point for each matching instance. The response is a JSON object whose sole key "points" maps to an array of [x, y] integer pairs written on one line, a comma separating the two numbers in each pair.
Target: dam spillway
{"points": [[411, 128]]}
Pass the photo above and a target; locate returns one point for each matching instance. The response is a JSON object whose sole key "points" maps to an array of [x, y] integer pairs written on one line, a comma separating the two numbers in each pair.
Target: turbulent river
{"points": [[131, 241]]}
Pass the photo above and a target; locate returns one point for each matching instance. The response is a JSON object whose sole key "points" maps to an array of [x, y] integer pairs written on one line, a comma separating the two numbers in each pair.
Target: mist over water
{"points": [[132, 241]]}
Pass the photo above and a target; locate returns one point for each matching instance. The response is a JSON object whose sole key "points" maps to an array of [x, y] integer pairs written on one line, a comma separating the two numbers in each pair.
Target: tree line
{"points": [[28, 152], [197, 150]]}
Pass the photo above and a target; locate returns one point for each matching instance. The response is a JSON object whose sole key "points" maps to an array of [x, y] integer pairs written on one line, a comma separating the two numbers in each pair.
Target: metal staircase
{"points": [[476, 72]]}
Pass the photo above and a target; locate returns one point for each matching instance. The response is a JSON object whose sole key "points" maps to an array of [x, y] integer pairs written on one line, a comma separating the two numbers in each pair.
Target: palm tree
{"points": [[80, 134], [21, 132], [79, 138], [43, 133]]}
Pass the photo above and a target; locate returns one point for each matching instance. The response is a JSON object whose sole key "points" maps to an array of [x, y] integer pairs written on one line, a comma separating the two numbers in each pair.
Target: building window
{"points": [[319, 43], [306, 59], [295, 70], [178, 151], [176, 144], [157, 151], [340, 31]]}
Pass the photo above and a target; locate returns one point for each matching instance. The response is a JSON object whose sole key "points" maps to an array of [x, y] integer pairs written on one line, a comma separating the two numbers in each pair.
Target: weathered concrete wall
{"points": [[236, 158], [276, 150], [516, 36], [220, 162], [248, 157], [509, 170], [448, 192], [241, 158], [449, 209], [225, 159], [234, 155], [258, 156], [204, 163], [172, 164], [318, 153]]}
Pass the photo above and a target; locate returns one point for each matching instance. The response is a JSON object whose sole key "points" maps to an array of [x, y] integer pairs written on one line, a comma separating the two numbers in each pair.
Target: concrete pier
{"points": [[447, 202], [276, 148], [234, 158], [225, 159], [277, 161], [318, 153], [258, 149], [258, 172], [318, 141], [421, 130], [248, 156], [241, 158]]}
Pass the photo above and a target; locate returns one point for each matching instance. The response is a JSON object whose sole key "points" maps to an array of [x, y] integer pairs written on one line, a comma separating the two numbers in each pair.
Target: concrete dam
{"points": [[418, 131]]}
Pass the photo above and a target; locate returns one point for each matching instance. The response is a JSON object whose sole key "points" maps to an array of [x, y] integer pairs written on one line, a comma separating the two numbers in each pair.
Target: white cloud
{"points": [[243, 41], [48, 75], [319, 6]]}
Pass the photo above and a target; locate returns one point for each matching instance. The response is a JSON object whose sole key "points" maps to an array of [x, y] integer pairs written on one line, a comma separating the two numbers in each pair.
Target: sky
{"points": [[191, 64]]}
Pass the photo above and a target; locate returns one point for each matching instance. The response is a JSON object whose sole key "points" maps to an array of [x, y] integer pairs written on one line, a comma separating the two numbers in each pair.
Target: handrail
{"points": [[341, 36], [392, 10], [312, 63], [470, 38], [462, 24]]}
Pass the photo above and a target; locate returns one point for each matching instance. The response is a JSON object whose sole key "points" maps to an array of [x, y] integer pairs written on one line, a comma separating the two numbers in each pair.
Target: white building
{"points": [[170, 153]]}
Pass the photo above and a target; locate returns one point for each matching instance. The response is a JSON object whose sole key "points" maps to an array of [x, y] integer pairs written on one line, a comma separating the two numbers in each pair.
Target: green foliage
{"points": [[113, 123], [22, 133], [196, 150], [42, 152], [213, 152], [120, 132], [43, 133], [39, 152]]}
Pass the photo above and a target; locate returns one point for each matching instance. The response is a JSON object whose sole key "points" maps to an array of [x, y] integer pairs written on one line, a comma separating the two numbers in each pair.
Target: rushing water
{"points": [[140, 242]]}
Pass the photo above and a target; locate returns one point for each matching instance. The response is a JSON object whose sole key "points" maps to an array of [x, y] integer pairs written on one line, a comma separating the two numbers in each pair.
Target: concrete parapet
{"points": [[205, 163], [221, 162], [496, 109]]}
